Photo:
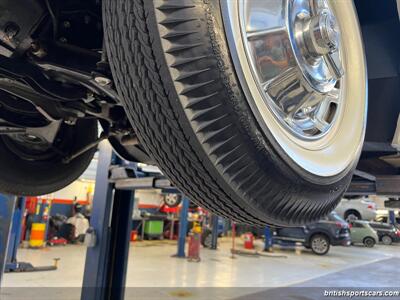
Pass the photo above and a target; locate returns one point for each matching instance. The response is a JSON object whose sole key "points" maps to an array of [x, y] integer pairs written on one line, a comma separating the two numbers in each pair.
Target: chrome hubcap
{"points": [[322, 33], [301, 66], [296, 60]]}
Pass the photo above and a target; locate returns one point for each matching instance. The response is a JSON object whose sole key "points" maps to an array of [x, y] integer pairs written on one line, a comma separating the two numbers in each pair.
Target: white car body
{"points": [[362, 208]]}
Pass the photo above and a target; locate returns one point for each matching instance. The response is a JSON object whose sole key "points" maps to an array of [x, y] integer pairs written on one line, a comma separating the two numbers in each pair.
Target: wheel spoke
{"points": [[258, 34], [288, 92], [310, 101], [320, 115], [332, 61], [321, 124], [333, 96]]}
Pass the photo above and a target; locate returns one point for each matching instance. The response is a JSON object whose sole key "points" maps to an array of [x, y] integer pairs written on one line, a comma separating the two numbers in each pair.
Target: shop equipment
{"points": [[12, 264], [111, 224]]}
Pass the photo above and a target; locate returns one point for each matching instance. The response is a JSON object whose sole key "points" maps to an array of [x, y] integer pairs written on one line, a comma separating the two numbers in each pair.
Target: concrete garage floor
{"points": [[151, 265]]}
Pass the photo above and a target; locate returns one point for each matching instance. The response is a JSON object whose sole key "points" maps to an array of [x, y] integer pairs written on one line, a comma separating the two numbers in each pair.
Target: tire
{"points": [[27, 173], [319, 244], [171, 65], [369, 242], [206, 238], [172, 200], [387, 240], [352, 215]]}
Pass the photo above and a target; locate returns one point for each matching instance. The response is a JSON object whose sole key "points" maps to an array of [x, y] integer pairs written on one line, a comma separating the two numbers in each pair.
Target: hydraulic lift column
{"points": [[268, 239], [111, 221], [7, 205], [392, 217], [183, 227], [15, 235], [214, 232], [108, 237]]}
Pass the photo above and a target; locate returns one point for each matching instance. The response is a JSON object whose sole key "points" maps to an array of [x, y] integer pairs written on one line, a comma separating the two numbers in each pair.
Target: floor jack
{"points": [[12, 265]]}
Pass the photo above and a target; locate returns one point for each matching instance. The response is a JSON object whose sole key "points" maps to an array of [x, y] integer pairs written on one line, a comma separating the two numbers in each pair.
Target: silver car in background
{"points": [[361, 208]]}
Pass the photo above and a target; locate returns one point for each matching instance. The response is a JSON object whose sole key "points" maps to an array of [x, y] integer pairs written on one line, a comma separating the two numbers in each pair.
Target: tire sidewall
{"points": [[369, 242]]}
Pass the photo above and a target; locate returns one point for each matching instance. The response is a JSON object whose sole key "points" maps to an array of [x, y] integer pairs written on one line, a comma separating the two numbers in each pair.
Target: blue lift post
{"points": [[106, 261], [7, 205], [183, 227], [15, 235], [214, 232], [111, 225], [268, 239], [12, 264], [392, 217]]}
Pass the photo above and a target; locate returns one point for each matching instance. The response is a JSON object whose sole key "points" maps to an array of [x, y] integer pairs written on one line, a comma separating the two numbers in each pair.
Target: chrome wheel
{"points": [[301, 65]]}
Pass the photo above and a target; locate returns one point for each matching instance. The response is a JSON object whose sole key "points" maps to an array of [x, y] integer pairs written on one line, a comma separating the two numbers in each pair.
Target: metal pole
{"points": [[214, 232], [94, 281], [171, 231], [392, 217], [15, 234], [107, 260], [7, 206], [233, 239], [183, 227], [121, 227], [268, 239]]}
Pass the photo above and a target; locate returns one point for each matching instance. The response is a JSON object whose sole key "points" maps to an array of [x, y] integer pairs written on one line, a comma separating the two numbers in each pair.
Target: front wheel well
{"points": [[369, 237], [319, 233], [352, 211]]}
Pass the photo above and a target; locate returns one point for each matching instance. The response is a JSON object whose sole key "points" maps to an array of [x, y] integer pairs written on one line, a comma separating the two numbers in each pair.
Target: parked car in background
{"points": [[362, 233], [357, 209], [206, 235], [387, 233], [329, 231], [383, 217]]}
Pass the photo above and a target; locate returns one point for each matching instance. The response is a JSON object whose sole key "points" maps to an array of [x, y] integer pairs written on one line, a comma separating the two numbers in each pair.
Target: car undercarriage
{"points": [[54, 71]]}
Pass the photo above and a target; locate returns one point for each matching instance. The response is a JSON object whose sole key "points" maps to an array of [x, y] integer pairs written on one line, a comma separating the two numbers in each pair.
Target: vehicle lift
{"points": [[111, 224], [214, 232], [7, 205], [15, 232], [15, 236], [268, 241], [183, 228]]}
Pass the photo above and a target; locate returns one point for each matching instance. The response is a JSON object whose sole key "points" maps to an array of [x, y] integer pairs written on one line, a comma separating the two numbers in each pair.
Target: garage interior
{"points": [[236, 262], [194, 189]]}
